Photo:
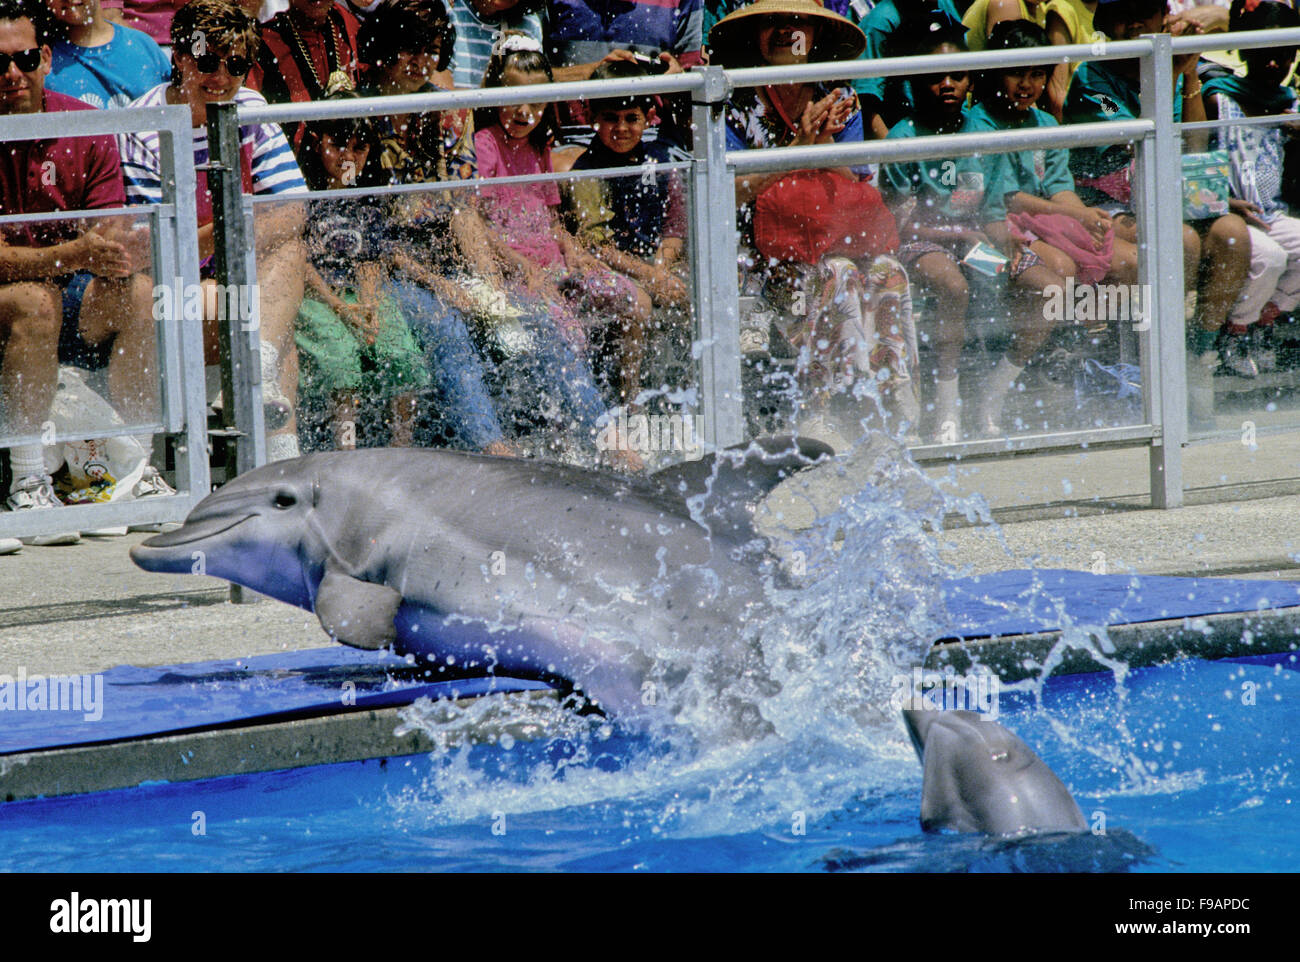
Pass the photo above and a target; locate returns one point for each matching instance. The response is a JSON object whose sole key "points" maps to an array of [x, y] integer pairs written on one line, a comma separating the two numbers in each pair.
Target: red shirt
{"points": [[61, 173], [278, 75]]}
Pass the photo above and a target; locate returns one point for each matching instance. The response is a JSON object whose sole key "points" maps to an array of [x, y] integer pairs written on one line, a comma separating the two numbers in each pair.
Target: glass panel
{"points": [[1244, 359], [965, 329], [455, 318], [79, 353]]}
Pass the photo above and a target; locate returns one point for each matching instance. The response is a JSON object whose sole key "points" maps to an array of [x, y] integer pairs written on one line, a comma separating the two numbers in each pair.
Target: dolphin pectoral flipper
{"points": [[357, 613]]}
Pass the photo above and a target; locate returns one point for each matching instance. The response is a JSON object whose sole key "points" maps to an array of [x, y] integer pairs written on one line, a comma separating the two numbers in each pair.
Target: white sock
{"points": [[281, 447], [947, 407], [1005, 374], [270, 363], [26, 461]]}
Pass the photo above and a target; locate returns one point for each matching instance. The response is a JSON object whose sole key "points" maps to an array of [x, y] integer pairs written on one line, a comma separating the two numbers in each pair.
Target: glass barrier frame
{"points": [[183, 409], [713, 231]]}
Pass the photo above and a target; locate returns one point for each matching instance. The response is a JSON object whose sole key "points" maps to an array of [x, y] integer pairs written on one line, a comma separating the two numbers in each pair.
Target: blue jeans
{"points": [[457, 369], [552, 379]]}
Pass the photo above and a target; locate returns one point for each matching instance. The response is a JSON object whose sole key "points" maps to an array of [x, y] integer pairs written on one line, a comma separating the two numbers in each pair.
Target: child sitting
{"points": [[525, 229], [352, 339], [937, 205], [1030, 200], [634, 224], [478, 24], [1257, 157]]}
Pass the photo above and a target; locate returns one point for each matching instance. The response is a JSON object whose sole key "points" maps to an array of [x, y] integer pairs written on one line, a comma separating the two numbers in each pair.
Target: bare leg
{"points": [[403, 413], [941, 276], [1226, 257], [280, 274], [124, 308], [30, 315], [632, 345]]}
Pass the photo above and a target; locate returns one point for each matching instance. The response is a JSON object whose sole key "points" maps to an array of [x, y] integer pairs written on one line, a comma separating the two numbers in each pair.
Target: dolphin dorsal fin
{"points": [[721, 489]]}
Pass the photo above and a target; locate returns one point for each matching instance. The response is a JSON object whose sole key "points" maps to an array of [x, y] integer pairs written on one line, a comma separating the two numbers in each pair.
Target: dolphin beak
{"points": [[159, 552]]}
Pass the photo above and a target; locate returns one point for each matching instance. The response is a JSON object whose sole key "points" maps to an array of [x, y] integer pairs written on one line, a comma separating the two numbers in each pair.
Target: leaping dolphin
{"points": [[521, 567], [980, 777]]}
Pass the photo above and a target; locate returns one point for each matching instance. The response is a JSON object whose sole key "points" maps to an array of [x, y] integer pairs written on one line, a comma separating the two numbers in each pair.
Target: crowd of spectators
{"points": [[537, 302]]}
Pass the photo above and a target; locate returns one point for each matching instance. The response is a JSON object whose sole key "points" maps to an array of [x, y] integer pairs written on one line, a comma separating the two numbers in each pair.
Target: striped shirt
{"points": [[269, 164], [475, 37]]}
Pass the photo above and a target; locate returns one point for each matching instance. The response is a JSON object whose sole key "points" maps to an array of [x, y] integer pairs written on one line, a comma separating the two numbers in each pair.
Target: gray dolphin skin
{"points": [[980, 777], [519, 567]]}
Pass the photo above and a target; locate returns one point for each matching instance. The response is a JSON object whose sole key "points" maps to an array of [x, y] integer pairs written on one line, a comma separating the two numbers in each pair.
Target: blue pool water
{"points": [[1188, 767]]}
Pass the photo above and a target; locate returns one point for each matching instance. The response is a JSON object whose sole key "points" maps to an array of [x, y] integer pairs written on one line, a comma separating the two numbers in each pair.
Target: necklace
{"points": [[338, 79], [775, 101]]}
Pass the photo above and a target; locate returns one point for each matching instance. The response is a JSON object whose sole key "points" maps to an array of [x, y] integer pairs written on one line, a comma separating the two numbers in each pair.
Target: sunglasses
{"points": [[236, 66], [27, 60]]}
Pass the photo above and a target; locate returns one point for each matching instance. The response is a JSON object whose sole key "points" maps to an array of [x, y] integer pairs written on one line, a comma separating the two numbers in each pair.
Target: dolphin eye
{"points": [[284, 499]]}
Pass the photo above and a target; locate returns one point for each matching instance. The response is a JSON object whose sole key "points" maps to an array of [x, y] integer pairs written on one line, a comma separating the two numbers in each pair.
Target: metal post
{"points": [[1160, 210], [241, 365], [713, 240], [186, 349]]}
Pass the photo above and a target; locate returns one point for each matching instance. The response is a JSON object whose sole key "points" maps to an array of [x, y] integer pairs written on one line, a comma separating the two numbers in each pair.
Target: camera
{"points": [[653, 65]]}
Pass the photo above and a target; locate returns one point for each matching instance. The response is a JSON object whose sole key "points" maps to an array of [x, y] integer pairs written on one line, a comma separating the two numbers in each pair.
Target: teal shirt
{"points": [[952, 191], [1042, 173], [1099, 93], [883, 20]]}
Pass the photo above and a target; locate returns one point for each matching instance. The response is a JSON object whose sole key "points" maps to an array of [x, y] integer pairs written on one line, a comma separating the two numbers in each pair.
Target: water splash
{"points": [[862, 605]]}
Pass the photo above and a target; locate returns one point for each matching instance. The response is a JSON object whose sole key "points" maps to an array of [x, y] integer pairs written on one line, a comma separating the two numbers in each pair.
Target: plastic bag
{"points": [[104, 469]]}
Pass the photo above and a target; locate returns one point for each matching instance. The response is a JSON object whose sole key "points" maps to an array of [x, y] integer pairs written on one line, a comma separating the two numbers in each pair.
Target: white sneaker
{"points": [[36, 493], [10, 546], [152, 485]]}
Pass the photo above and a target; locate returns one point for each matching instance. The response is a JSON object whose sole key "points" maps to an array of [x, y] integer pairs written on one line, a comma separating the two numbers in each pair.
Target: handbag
{"points": [[1207, 182], [808, 214]]}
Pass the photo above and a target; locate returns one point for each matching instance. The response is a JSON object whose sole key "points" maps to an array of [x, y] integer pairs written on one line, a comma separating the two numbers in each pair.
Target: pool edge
{"points": [[359, 735]]}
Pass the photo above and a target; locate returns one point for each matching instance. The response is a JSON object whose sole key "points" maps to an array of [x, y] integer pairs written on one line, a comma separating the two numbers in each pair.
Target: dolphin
{"points": [[980, 777], [612, 586]]}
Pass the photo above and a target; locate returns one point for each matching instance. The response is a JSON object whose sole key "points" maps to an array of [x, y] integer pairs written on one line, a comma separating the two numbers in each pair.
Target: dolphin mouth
{"points": [[153, 554]]}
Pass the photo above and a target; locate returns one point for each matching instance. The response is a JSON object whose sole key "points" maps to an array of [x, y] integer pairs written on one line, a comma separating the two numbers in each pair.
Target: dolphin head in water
{"points": [[980, 777]]}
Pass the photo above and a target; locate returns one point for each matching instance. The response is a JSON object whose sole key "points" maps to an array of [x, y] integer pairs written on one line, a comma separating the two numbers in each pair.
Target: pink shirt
{"points": [[521, 212], [154, 17]]}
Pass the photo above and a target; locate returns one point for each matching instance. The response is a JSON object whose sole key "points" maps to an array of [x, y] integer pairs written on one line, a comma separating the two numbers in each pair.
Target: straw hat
{"points": [[733, 43]]}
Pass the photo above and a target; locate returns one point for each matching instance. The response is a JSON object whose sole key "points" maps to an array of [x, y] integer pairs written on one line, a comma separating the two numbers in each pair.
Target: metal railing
{"points": [[713, 240]]}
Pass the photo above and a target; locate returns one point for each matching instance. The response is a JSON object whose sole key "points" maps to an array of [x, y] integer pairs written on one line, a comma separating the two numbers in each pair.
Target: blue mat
{"points": [[140, 702], [1027, 601]]}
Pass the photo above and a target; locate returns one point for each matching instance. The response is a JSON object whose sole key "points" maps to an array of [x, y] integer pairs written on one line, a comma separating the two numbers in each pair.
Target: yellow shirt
{"points": [[1077, 19], [976, 21]]}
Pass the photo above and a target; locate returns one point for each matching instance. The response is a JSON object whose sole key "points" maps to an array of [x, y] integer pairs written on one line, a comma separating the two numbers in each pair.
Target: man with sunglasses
{"points": [[214, 45], [69, 290]]}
